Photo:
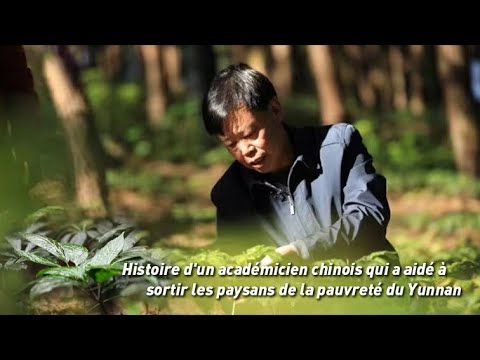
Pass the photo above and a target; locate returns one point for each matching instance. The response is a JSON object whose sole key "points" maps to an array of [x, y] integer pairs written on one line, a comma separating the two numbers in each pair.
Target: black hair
{"points": [[234, 87]]}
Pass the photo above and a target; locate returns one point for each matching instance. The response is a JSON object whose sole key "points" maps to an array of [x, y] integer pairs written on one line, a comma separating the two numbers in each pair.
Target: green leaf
{"points": [[36, 258], [133, 238], [77, 273], [36, 228], [136, 252], [79, 238], [15, 243], [379, 258], [335, 262], [75, 253], [108, 253], [259, 250], [64, 237], [102, 274], [49, 245], [15, 264], [47, 284], [463, 269], [46, 211], [112, 232]]}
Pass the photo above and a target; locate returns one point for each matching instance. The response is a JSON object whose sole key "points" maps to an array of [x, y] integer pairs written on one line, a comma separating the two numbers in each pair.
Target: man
{"points": [[311, 191]]}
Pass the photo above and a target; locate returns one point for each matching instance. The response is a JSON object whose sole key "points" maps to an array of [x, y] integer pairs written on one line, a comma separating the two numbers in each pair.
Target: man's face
{"points": [[257, 139]]}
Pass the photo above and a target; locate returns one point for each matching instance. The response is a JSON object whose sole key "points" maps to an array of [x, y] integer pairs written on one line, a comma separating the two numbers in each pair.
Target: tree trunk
{"points": [[282, 69], [416, 102], [397, 73], [200, 66], [156, 96], [172, 65], [238, 53], [328, 94], [464, 126], [378, 75], [257, 58], [253, 55], [62, 78], [347, 69], [365, 90], [110, 61]]}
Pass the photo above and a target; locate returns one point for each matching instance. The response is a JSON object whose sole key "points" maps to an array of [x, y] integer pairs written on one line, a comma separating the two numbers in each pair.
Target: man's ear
{"points": [[276, 108]]}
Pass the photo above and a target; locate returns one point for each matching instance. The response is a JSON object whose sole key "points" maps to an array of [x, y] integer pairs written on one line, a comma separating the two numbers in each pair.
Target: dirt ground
{"points": [[154, 210]]}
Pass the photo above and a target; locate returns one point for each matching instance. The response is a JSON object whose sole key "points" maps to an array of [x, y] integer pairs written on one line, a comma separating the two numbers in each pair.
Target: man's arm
{"points": [[362, 227]]}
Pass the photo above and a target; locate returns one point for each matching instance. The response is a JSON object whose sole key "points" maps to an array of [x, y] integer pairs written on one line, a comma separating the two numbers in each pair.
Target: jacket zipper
{"points": [[292, 205], [289, 196]]}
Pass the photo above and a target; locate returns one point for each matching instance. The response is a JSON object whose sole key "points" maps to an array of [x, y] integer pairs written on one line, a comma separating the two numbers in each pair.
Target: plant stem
{"points": [[103, 308], [93, 307], [111, 298], [101, 302]]}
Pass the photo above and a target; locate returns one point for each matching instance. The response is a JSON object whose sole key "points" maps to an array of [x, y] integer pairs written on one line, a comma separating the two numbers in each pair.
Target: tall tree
{"points": [[365, 90], [63, 79], [238, 53], [328, 93], [111, 62], [253, 55], [257, 58], [282, 69], [154, 78], [416, 100], [463, 124], [172, 65], [199, 64], [378, 74], [396, 60]]}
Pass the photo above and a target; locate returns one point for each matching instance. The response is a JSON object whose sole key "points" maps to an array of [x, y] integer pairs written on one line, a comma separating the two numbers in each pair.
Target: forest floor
{"points": [[172, 202], [180, 214]]}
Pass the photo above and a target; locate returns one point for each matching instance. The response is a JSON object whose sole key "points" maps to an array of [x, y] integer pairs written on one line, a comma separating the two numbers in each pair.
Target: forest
{"points": [[105, 160]]}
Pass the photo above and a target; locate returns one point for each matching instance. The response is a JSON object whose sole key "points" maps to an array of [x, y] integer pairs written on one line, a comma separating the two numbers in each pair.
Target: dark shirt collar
{"points": [[305, 164]]}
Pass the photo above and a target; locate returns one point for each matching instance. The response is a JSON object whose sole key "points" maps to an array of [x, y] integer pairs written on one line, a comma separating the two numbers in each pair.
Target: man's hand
{"points": [[282, 250]]}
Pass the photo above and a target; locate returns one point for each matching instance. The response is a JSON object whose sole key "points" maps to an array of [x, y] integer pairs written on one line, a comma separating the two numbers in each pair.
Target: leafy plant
{"points": [[87, 256], [95, 272]]}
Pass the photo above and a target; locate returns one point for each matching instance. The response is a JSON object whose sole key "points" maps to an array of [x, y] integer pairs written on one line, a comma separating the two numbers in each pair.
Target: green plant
{"points": [[142, 181], [446, 182], [87, 257], [181, 136], [95, 272]]}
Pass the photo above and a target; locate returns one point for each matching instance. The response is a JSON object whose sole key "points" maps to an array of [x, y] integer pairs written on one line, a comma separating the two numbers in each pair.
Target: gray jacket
{"points": [[334, 204]]}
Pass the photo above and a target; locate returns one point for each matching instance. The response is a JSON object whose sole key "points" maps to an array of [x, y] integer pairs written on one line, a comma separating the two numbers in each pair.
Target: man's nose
{"points": [[247, 149]]}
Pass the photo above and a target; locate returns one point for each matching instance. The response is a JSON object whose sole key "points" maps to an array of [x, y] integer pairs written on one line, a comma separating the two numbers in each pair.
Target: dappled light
{"points": [[106, 161]]}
